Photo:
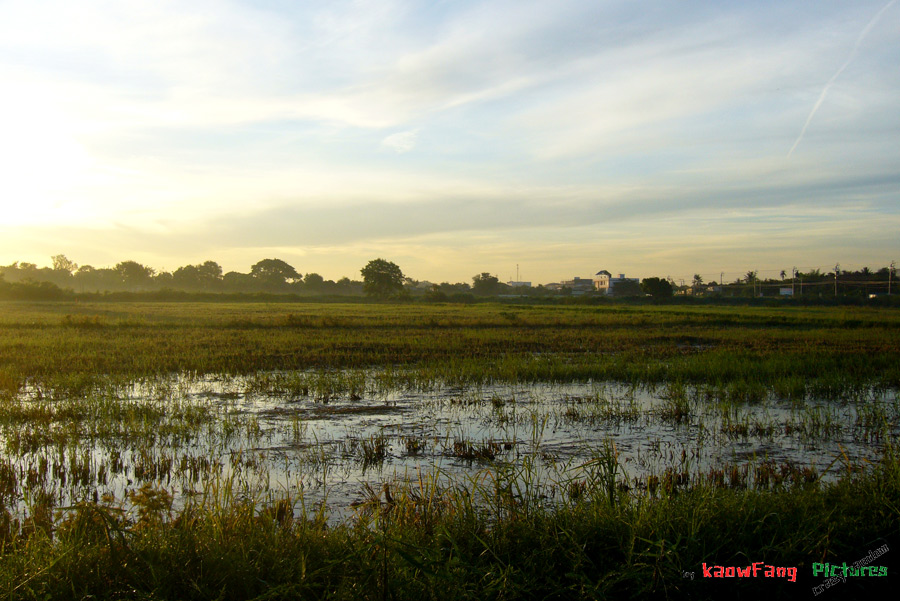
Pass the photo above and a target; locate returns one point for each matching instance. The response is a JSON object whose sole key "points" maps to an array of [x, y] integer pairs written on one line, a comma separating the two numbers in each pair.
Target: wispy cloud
{"points": [[401, 142], [853, 52]]}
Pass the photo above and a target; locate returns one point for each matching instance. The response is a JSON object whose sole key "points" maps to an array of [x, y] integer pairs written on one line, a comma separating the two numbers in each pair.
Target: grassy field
{"points": [[792, 351], [68, 372]]}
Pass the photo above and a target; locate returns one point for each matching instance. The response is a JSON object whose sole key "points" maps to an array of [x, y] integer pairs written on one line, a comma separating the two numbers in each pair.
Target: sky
{"points": [[549, 139]]}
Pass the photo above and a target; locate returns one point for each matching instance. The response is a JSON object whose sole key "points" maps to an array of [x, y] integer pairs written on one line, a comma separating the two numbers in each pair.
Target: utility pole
{"points": [[891, 275], [837, 270], [793, 276]]}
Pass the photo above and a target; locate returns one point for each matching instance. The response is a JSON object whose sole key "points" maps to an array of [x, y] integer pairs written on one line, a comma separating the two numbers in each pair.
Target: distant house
{"points": [[604, 283], [519, 284], [601, 281]]}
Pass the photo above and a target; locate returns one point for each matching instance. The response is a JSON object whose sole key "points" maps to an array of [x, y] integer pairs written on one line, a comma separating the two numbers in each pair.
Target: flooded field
{"points": [[408, 451], [336, 441]]}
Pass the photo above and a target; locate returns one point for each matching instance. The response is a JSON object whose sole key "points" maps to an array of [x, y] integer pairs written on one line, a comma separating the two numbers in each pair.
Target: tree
{"points": [[210, 271], [485, 284], [274, 273], [198, 277], [61, 263], [382, 278], [313, 282], [457, 288], [133, 274], [234, 281], [27, 271], [348, 287], [625, 288], [656, 287], [187, 277], [697, 283], [435, 295], [164, 279], [86, 276], [751, 279]]}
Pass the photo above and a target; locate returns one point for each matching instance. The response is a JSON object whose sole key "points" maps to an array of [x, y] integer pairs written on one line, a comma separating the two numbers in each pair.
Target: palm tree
{"points": [[751, 279]]}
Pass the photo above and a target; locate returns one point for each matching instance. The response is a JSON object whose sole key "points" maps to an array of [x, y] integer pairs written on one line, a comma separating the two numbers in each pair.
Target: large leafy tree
{"points": [[314, 282], [210, 270], [382, 278], [234, 281], [485, 284], [61, 263], [626, 288], [656, 287], [274, 272], [133, 275], [198, 277]]}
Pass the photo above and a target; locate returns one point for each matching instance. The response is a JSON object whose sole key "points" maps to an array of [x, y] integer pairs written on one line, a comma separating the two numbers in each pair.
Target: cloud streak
{"points": [[859, 40]]}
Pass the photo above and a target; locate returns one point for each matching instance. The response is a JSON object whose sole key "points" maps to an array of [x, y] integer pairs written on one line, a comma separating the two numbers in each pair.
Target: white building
{"points": [[601, 281], [605, 283]]}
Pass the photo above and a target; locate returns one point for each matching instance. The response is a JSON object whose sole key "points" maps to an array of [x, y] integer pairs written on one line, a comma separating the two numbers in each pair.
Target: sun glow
{"points": [[42, 164]]}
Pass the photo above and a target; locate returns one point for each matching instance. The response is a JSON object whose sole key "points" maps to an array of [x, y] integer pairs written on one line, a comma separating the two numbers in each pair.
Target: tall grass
{"points": [[494, 536]]}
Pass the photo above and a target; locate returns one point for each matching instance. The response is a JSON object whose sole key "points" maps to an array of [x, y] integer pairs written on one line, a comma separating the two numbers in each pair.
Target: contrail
{"points": [[859, 41]]}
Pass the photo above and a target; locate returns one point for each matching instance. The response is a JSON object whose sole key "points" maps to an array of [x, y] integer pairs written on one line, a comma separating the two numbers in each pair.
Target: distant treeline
{"points": [[267, 278], [274, 280]]}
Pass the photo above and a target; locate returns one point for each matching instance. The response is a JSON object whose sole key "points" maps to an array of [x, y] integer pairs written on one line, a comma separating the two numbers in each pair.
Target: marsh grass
{"points": [[739, 353], [494, 534], [467, 450], [373, 451]]}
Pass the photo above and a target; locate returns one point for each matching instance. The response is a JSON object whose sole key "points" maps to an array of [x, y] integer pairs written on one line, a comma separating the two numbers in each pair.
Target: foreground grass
{"points": [[431, 543]]}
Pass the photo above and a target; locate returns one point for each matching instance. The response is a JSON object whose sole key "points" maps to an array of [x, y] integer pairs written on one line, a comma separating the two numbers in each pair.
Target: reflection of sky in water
{"points": [[317, 449]]}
